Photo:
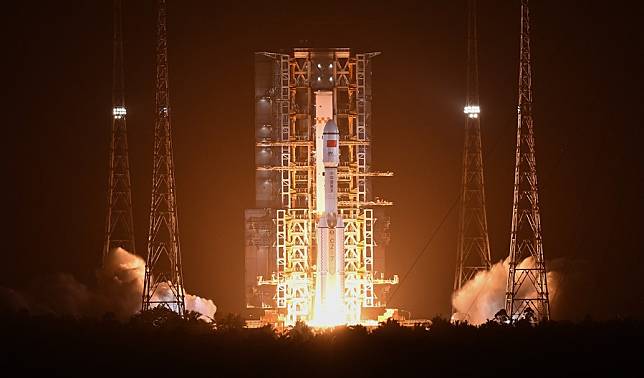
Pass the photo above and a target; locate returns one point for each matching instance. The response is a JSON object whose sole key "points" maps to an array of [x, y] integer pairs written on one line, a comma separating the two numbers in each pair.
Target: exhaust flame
{"points": [[331, 311]]}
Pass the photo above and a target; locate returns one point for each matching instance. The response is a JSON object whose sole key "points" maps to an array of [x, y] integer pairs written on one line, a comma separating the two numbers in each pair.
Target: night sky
{"points": [[587, 111]]}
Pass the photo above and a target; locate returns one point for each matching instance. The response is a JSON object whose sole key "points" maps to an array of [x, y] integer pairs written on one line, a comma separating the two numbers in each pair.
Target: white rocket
{"points": [[329, 289]]}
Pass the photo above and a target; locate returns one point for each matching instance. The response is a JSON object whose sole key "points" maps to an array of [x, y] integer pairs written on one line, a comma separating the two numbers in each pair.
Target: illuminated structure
{"points": [[527, 287], [119, 226], [163, 284], [473, 249], [291, 91]]}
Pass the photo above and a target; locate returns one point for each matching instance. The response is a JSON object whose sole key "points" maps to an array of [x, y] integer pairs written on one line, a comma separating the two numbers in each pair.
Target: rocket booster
{"points": [[329, 303]]}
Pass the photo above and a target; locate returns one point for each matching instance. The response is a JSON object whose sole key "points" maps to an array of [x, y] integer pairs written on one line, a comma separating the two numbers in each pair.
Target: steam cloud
{"points": [[484, 295], [120, 284]]}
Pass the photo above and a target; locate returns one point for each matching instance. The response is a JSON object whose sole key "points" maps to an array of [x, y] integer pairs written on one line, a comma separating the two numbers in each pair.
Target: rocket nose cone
{"points": [[330, 127]]}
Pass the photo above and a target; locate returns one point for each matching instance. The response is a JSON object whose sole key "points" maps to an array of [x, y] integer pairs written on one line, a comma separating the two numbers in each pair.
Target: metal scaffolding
{"points": [[286, 180], [527, 286]]}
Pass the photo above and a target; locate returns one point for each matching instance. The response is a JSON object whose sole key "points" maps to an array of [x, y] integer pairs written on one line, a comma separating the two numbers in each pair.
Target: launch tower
{"points": [[295, 93]]}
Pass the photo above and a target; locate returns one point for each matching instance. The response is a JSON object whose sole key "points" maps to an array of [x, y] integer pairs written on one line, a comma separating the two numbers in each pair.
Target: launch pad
{"points": [[316, 241]]}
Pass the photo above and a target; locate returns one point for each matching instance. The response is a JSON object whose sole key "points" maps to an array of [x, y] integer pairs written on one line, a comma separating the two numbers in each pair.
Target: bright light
{"points": [[472, 111], [330, 79], [319, 65], [331, 311], [119, 112], [330, 65], [319, 78]]}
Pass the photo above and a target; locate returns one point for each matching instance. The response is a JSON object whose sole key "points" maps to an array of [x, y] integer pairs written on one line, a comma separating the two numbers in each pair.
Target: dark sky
{"points": [[588, 105]]}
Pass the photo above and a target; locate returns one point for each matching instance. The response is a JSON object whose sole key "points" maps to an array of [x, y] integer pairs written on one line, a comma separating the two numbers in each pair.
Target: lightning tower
{"points": [[119, 226], [473, 248], [163, 274], [527, 288]]}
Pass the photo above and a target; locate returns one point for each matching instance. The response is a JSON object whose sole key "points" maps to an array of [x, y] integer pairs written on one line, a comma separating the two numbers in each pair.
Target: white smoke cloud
{"points": [[119, 291], [120, 282], [484, 295], [124, 269], [205, 307]]}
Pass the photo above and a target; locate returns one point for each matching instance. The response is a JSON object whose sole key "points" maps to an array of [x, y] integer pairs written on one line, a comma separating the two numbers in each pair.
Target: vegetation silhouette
{"points": [[160, 342]]}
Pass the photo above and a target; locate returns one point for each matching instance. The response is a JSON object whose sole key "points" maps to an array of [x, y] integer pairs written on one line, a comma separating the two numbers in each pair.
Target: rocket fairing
{"points": [[329, 298]]}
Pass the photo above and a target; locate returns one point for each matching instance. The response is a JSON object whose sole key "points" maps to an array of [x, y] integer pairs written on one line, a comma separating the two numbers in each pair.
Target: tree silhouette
{"points": [[230, 322], [501, 316], [300, 333]]}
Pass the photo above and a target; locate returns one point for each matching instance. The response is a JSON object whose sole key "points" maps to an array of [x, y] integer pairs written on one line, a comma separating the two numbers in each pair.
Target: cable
{"points": [[422, 251], [440, 225]]}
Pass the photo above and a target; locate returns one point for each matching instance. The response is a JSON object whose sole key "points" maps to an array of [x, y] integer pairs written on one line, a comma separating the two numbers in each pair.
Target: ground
{"points": [[152, 344]]}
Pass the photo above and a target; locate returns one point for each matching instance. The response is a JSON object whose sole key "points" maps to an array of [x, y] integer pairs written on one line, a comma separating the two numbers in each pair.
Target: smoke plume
{"points": [[118, 291], [205, 307], [484, 295]]}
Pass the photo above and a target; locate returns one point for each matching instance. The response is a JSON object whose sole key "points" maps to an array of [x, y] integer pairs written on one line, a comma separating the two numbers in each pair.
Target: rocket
{"points": [[329, 291]]}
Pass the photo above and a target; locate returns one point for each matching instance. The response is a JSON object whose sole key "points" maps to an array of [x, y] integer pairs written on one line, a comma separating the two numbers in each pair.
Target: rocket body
{"points": [[329, 292]]}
